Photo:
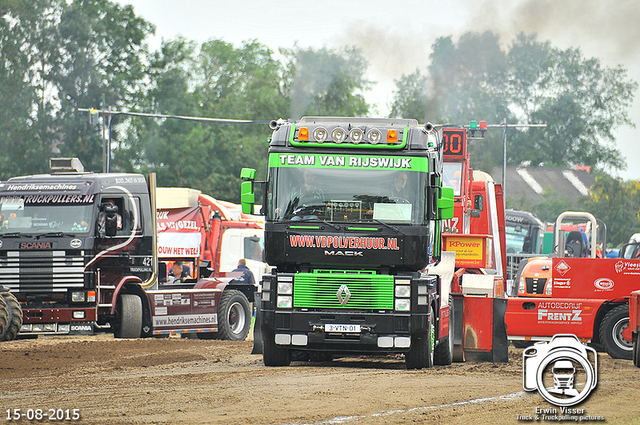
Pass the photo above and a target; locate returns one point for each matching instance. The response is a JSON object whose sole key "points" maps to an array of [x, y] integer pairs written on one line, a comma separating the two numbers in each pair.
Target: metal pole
{"points": [[504, 163], [111, 117]]}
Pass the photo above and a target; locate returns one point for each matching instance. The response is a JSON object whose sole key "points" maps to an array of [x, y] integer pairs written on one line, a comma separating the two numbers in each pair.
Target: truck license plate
{"points": [[330, 327]]}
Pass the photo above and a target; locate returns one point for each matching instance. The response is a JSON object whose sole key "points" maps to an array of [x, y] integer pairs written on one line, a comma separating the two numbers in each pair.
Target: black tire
{"points": [[234, 316], [14, 317], [443, 352], [421, 353], [129, 310], [274, 355], [611, 328], [4, 314], [636, 351]]}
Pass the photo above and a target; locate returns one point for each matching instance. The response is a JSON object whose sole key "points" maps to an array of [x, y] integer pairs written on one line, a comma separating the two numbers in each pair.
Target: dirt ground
{"points": [[189, 381]]}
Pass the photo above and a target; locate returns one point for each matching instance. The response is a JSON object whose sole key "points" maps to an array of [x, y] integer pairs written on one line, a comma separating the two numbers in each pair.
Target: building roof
{"points": [[532, 183]]}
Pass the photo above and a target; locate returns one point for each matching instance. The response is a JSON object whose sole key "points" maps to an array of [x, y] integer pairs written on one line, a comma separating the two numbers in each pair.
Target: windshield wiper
{"points": [[11, 235], [394, 228], [315, 219], [57, 235]]}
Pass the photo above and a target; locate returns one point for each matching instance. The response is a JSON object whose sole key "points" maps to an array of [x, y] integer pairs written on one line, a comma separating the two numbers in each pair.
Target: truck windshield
{"points": [[16, 216], [346, 195]]}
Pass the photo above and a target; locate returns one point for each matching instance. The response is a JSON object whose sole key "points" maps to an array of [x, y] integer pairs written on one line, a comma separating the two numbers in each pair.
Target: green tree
{"points": [[59, 56], [617, 203], [216, 80], [411, 98], [581, 102], [326, 82]]}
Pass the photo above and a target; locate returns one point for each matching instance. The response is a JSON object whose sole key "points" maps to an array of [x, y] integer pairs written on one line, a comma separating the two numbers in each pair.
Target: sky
{"points": [[396, 37]]}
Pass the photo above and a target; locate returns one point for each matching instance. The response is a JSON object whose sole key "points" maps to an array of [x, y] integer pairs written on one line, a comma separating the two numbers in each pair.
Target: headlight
{"points": [[403, 304], [77, 297], [403, 291], [266, 285], [320, 134], [285, 301], [521, 286], [549, 287], [374, 136], [338, 135], [78, 314], [285, 288], [356, 135]]}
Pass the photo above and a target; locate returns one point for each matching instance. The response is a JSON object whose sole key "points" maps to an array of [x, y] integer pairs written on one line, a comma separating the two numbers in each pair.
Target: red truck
{"points": [[576, 292], [477, 236], [588, 298]]}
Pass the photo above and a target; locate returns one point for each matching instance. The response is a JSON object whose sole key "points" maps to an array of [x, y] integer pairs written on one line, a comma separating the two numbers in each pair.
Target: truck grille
{"points": [[367, 290], [42, 271], [535, 285]]}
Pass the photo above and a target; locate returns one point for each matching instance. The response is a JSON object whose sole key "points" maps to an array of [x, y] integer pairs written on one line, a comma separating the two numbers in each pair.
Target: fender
{"points": [[135, 280]]}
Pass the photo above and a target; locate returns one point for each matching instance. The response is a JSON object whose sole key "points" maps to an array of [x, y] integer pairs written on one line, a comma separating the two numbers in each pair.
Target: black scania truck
{"points": [[353, 209], [77, 250]]}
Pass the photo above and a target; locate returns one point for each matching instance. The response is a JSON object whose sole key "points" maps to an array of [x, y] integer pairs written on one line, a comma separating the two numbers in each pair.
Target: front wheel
{"points": [[234, 316], [129, 309], [420, 355], [443, 355], [615, 333], [273, 355], [3, 315], [14, 317]]}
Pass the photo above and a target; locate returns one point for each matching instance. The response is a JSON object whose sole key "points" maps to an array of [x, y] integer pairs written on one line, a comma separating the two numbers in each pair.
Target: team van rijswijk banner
{"points": [[368, 162], [179, 232]]}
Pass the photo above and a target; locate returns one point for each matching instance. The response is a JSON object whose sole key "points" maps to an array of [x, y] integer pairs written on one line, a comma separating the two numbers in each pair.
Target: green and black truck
{"points": [[353, 209]]}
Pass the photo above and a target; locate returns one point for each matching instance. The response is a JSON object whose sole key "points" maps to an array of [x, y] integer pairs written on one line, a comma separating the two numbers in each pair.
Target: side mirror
{"points": [[445, 203], [247, 196]]}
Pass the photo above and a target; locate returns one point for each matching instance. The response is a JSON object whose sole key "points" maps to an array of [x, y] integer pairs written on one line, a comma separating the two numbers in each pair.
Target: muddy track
{"points": [[185, 381]]}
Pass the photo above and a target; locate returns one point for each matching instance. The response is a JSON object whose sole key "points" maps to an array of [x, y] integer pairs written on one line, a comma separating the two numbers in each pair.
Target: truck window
{"points": [[253, 246], [452, 176], [126, 210], [42, 214], [302, 193]]}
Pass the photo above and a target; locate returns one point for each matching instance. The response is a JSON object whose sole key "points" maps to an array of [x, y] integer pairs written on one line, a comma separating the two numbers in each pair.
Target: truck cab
{"points": [[353, 209]]}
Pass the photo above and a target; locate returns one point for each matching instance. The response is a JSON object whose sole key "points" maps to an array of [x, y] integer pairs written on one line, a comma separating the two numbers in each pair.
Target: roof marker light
{"points": [[303, 134], [392, 136]]}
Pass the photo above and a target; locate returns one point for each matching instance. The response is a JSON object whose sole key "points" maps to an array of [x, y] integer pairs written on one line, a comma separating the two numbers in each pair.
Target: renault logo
{"points": [[343, 294]]}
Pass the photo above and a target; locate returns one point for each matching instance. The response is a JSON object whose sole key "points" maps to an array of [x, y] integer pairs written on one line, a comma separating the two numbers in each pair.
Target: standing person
{"points": [[247, 275]]}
